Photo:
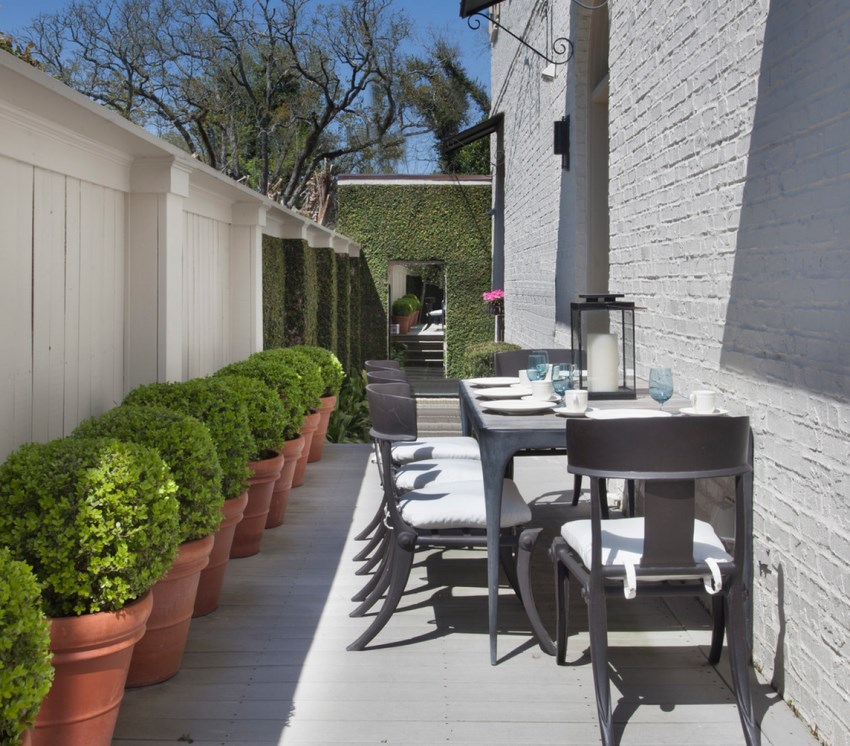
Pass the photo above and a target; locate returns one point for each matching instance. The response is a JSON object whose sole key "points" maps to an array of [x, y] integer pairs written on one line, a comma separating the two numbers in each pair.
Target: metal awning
{"points": [[469, 7], [471, 134]]}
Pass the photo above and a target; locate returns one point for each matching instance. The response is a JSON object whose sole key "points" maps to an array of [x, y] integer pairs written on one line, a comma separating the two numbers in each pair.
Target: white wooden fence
{"points": [[122, 259]]}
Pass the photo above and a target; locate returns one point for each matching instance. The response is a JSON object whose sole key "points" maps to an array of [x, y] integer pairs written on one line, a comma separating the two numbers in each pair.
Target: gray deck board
{"points": [[269, 667]]}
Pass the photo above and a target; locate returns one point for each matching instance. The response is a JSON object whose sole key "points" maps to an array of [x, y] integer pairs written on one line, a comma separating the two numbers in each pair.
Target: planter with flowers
{"points": [[211, 402], [25, 669], [97, 520], [495, 300]]}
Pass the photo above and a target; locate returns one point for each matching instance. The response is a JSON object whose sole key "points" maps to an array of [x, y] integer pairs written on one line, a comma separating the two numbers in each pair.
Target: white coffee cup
{"points": [[541, 390], [522, 374], [575, 400], [704, 402]]}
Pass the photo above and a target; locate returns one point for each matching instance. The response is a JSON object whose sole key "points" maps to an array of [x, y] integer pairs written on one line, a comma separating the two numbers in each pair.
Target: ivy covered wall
{"points": [[445, 222]]}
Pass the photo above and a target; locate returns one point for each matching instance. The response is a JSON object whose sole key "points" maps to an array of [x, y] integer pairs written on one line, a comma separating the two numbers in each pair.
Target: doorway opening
{"points": [[417, 338]]}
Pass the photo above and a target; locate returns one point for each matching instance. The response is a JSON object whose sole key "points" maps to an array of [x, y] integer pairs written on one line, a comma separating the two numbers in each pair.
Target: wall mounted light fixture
{"points": [[562, 141]]}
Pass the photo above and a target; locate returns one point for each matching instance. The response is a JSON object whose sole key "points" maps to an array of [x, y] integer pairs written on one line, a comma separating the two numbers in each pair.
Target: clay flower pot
{"points": [[318, 444], [212, 576], [308, 430], [280, 495], [249, 531], [91, 656], [158, 654]]}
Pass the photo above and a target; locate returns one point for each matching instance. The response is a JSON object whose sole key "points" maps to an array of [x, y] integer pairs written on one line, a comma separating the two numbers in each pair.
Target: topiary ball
{"points": [[332, 372], [25, 669], [310, 375], [266, 413], [212, 403], [96, 519], [185, 444]]}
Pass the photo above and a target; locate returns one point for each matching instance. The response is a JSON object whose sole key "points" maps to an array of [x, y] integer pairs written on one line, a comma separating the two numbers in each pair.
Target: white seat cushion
{"points": [[418, 474], [461, 505], [435, 448]]}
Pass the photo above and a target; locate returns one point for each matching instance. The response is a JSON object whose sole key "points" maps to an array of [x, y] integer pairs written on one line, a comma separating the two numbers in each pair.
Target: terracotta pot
{"points": [[91, 655], [280, 495], [308, 430], [212, 576], [318, 444], [26, 739], [249, 532], [158, 654], [403, 323]]}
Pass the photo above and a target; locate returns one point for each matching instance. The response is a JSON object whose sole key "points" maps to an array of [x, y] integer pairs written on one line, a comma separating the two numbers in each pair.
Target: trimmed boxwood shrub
{"points": [[96, 519], [266, 413], [402, 306], [25, 670], [185, 444], [477, 359], [310, 375], [279, 377], [330, 366], [213, 403]]}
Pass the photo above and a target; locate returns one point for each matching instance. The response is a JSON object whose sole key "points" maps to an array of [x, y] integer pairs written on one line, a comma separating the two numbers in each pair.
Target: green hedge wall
{"points": [[343, 310], [300, 292], [326, 299], [448, 223], [274, 273]]}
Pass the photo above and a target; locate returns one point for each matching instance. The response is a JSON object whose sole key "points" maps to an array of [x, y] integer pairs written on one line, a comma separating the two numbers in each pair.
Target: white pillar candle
{"points": [[602, 359]]}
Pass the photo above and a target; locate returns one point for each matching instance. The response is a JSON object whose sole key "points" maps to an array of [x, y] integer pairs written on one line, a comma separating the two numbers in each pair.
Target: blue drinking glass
{"points": [[538, 365], [660, 385], [562, 378]]}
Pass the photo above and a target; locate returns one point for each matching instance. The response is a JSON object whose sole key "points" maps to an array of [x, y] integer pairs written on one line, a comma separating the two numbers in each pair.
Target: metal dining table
{"points": [[501, 437]]}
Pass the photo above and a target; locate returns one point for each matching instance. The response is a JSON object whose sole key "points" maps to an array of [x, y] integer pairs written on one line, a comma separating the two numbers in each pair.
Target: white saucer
{"points": [[564, 412], [502, 392], [554, 398], [518, 406], [494, 381], [692, 412], [623, 414]]}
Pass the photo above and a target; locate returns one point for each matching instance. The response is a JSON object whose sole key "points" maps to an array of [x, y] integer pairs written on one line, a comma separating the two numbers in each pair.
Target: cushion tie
{"points": [[630, 581], [714, 583]]}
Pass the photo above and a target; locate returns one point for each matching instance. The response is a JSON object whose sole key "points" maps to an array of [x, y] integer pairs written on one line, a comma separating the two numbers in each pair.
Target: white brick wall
{"points": [[729, 207]]}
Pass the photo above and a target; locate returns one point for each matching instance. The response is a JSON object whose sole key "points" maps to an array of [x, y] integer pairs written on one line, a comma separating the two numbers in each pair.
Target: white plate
{"points": [[692, 411], [494, 381], [622, 414], [564, 412], [518, 406], [508, 392]]}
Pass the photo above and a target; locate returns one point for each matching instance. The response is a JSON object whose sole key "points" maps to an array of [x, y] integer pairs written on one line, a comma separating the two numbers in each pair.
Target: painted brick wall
{"points": [[729, 222]]}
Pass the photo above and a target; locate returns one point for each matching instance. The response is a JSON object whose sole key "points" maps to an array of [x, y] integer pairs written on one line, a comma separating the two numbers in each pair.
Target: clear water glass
{"points": [[538, 365], [562, 378], [660, 384]]}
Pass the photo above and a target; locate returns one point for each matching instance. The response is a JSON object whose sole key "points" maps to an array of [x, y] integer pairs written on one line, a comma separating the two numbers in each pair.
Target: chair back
{"points": [[507, 363], [392, 411], [385, 375], [670, 454], [380, 365]]}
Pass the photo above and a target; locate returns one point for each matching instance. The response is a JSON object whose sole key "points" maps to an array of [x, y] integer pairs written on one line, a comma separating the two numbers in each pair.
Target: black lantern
{"points": [[603, 344]]}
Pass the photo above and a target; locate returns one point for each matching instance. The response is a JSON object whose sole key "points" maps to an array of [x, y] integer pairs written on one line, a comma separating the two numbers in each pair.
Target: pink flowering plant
{"points": [[495, 300]]}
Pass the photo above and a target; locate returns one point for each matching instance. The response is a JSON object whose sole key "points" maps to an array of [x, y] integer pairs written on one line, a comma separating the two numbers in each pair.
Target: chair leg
{"points": [[376, 539], [401, 563], [370, 563], [377, 586], [562, 602], [576, 488], [376, 521], [718, 619], [385, 559], [630, 485], [739, 662], [598, 628], [525, 550]]}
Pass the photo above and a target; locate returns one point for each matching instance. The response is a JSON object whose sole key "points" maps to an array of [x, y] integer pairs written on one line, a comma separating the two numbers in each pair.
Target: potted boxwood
{"points": [[311, 384], [97, 520], [287, 383], [332, 376], [402, 312], [268, 420], [186, 445], [211, 402], [25, 669]]}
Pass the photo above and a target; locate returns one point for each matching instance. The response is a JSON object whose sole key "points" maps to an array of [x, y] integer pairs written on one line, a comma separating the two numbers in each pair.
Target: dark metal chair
{"points": [[380, 365], [507, 363], [451, 515], [666, 551]]}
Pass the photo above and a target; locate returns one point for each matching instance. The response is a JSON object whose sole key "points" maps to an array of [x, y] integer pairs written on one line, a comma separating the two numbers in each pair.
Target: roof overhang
{"points": [[470, 7], [470, 135]]}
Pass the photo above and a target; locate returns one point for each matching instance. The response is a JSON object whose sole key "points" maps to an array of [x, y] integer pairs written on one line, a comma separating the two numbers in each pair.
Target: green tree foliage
{"points": [[446, 100]]}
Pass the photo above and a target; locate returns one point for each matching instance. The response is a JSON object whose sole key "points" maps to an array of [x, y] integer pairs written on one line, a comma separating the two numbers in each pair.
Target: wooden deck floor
{"points": [[269, 666]]}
